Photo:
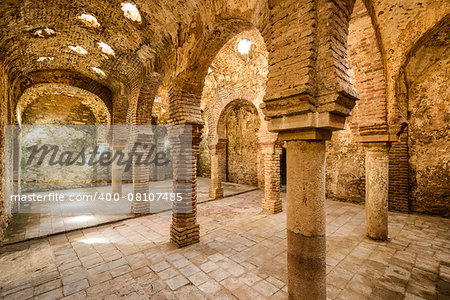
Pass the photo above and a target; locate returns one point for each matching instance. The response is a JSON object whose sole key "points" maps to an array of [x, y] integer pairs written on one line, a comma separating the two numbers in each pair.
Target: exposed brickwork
{"points": [[308, 95], [235, 78], [402, 24], [271, 151], [141, 115], [399, 175], [184, 229], [368, 73], [67, 78], [62, 104]]}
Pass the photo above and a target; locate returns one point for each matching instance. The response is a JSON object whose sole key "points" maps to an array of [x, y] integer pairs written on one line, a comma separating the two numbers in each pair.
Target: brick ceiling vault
{"points": [[179, 39], [89, 100]]}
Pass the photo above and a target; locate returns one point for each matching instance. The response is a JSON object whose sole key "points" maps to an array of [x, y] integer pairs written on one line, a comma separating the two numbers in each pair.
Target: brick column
{"points": [[141, 173], [271, 151], [216, 150], [184, 229], [377, 189]]}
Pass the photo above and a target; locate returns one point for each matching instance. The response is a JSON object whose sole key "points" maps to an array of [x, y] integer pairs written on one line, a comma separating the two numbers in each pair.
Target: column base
{"points": [[306, 266], [383, 236], [216, 193], [184, 236], [140, 208], [271, 208]]}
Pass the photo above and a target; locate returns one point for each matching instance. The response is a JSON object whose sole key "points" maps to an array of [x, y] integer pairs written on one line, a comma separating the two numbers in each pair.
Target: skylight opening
{"points": [[78, 49], [106, 49], [244, 46], [44, 32], [89, 20], [45, 58], [131, 12], [98, 71]]}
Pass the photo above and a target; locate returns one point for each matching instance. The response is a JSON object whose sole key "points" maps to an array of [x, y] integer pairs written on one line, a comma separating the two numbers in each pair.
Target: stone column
{"points": [[116, 175], [377, 189], [306, 248], [184, 229], [216, 150], [271, 151]]}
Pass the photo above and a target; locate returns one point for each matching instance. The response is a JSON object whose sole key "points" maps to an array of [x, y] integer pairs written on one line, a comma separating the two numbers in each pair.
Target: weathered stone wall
{"points": [[204, 159], [242, 147], [35, 178], [345, 167], [59, 110], [429, 143], [402, 24]]}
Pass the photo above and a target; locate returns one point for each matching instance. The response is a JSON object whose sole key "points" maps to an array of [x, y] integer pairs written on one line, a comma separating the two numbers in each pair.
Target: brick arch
{"points": [[367, 61], [97, 106], [416, 33], [186, 90], [329, 92], [140, 111], [63, 77], [222, 120], [421, 111], [440, 27]]}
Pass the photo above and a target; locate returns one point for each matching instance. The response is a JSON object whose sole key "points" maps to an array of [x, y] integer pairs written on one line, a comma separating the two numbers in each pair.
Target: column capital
{"points": [[306, 135], [267, 138], [379, 138]]}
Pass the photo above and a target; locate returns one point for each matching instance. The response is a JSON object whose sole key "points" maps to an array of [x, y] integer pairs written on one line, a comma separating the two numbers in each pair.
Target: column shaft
{"points": [[116, 178], [377, 190], [306, 247], [217, 151]]}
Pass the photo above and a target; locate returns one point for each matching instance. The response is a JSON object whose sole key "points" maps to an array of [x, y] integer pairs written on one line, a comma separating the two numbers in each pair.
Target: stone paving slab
{"points": [[26, 226], [241, 255]]}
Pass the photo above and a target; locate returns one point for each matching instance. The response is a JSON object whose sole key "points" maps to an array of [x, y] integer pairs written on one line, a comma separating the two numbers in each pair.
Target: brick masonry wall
{"points": [[367, 72], [58, 110], [399, 175], [345, 156]]}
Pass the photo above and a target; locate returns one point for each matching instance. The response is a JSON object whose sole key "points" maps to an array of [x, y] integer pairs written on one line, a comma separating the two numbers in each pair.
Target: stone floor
{"points": [[241, 255], [66, 216]]}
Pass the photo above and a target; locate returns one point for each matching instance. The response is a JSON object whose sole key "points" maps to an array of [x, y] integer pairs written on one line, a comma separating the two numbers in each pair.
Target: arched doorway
{"points": [[238, 127]]}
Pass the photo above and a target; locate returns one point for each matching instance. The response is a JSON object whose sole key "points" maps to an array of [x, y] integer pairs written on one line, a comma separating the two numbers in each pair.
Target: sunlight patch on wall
{"points": [[131, 12]]}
